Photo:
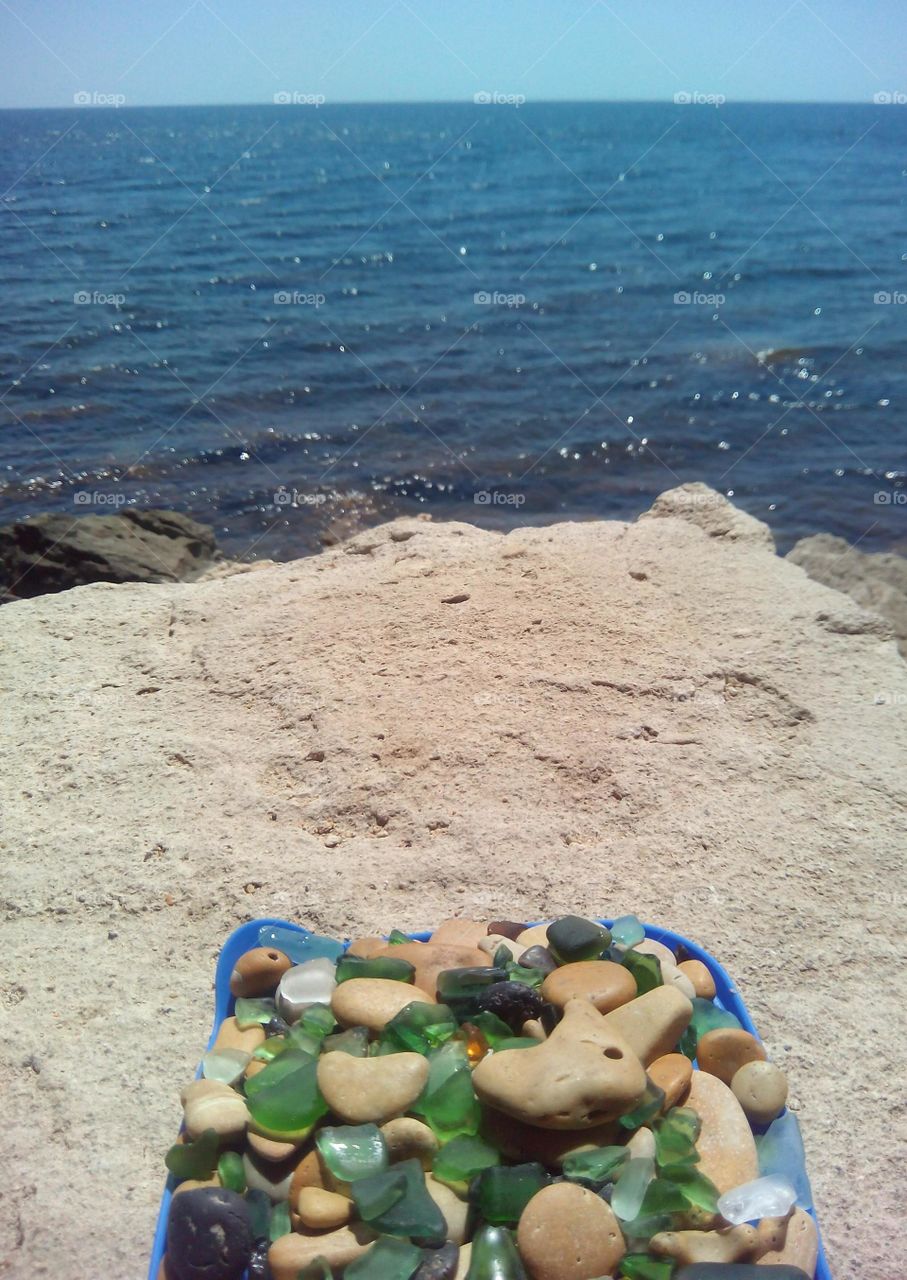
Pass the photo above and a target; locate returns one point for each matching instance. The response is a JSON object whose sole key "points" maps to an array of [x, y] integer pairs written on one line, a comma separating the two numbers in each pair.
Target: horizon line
{"points": [[451, 102]]}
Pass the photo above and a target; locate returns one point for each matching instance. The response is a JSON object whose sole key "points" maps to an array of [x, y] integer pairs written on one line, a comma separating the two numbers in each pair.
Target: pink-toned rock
{"points": [[727, 1151]]}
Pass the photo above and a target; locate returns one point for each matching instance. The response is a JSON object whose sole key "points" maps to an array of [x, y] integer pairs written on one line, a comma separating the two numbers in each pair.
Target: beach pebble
{"points": [[796, 1245], [566, 1232], [292, 1253], [459, 933], [371, 1090], [272, 1177], [322, 1210], [367, 948], [672, 1072], [311, 1171], [642, 1145], [761, 1089], [653, 1023], [429, 959], [727, 1150], [270, 1149], [698, 974], [491, 943], [725, 1050], [230, 1036], [583, 1075], [728, 1245], [524, 1143], [310, 983], [535, 936], [506, 928], [408, 1139], [372, 1002], [208, 1235], [606, 984], [512, 1002], [258, 972], [672, 977], [208, 1104]]}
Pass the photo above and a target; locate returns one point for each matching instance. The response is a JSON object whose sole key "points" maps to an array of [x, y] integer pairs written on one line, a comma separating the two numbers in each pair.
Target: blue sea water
{"points": [[270, 317]]}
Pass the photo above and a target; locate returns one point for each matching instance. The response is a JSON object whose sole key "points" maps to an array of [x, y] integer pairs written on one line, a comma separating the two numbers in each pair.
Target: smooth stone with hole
{"points": [[258, 972], [761, 1089], [653, 1023], [364, 1090], [582, 1076], [372, 1002], [727, 1150], [725, 1050], [567, 1232], [605, 984]]}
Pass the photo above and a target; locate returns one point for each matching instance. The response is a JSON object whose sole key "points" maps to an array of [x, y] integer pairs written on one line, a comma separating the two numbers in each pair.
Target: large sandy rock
{"points": [[656, 717]]}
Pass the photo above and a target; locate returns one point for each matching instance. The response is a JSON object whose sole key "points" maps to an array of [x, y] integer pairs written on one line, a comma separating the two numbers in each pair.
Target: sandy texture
{"points": [[662, 717]]}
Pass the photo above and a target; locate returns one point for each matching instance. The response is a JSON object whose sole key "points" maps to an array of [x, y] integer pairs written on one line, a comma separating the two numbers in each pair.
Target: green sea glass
{"points": [[528, 977], [460, 989], [376, 967], [231, 1171], [353, 1041], [280, 1224], [258, 1204], [494, 1256], [627, 932], [352, 1151], [387, 1259], [706, 1017], [494, 1029], [675, 1137], [595, 1167], [630, 1188], [662, 1196], [397, 1203], [196, 1159], [254, 1012], [459, 1160], [395, 937], [502, 957], [284, 1099], [642, 1266], [572, 938], [502, 1193], [649, 1106], [317, 1270], [419, 1027], [448, 1103], [698, 1191], [646, 971]]}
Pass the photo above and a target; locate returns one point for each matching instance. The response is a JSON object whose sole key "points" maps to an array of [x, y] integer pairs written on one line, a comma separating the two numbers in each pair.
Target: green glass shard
{"points": [[353, 1041], [397, 1203], [646, 971], [231, 1171], [448, 1103], [494, 1029], [395, 937], [662, 1196], [494, 1256], [698, 1191], [196, 1159], [642, 1266], [272, 1048], [502, 957], [280, 1224], [675, 1137], [529, 977], [289, 1104], [639, 1230], [251, 1013], [376, 967], [318, 1020], [460, 989], [707, 1016], [419, 1027], [571, 938], [646, 1109], [258, 1204], [459, 1160], [627, 932], [352, 1151], [317, 1270], [595, 1167], [387, 1259], [502, 1192]]}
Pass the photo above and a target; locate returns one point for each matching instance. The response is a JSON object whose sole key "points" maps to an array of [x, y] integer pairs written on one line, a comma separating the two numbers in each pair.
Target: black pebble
{"points": [[441, 1264], [512, 1002], [208, 1235], [538, 958]]}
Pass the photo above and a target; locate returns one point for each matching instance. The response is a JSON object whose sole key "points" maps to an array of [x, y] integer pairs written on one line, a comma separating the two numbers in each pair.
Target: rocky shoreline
{"points": [[426, 722]]}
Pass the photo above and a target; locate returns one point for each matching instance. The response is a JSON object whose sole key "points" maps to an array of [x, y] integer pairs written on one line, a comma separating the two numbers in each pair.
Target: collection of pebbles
{"points": [[502, 1102]]}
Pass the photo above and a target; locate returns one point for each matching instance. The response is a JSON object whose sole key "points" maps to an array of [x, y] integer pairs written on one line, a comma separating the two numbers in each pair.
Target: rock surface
{"points": [[877, 581], [55, 552], [620, 717]]}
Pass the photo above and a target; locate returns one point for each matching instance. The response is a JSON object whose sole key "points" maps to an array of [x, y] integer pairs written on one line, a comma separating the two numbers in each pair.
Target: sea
{"points": [[294, 320]]}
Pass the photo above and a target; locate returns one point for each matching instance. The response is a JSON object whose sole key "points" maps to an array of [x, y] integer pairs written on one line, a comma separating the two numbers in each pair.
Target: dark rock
{"points": [[512, 1002], [507, 929], [538, 958], [208, 1235], [56, 552], [441, 1264]]}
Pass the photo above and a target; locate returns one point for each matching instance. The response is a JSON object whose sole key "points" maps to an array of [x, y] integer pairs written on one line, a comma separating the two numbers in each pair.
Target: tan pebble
{"points": [[460, 933], [367, 948], [292, 1253], [408, 1139], [606, 984], [268, 1149], [273, 1177], [193, 1184], [310, 1172], [371, 1090], [642, 1145], [730, 1245], [535, 936], [649, 947], [725, 1050], [429, 959], [229, 1036], [672, 977], [568, 1233], [550, 1147], [372, 1002], [255, 1065], [727, 1151], [321, 1210], [800, 1247], [583, 1075], [698, 974], [463, 1262], [673, 1073], [454, 1210], [208, 1104], [491, 943], [653, 1023], [534, 1029], [258, 972], [761, 1089], [771, 1234]]}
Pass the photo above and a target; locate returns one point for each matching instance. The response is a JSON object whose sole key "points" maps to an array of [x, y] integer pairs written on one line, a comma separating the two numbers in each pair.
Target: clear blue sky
{"points": [[228, 51]]}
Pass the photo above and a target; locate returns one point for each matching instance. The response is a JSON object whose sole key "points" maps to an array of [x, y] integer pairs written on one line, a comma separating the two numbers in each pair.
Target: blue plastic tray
{"points": [[245, 938]]}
